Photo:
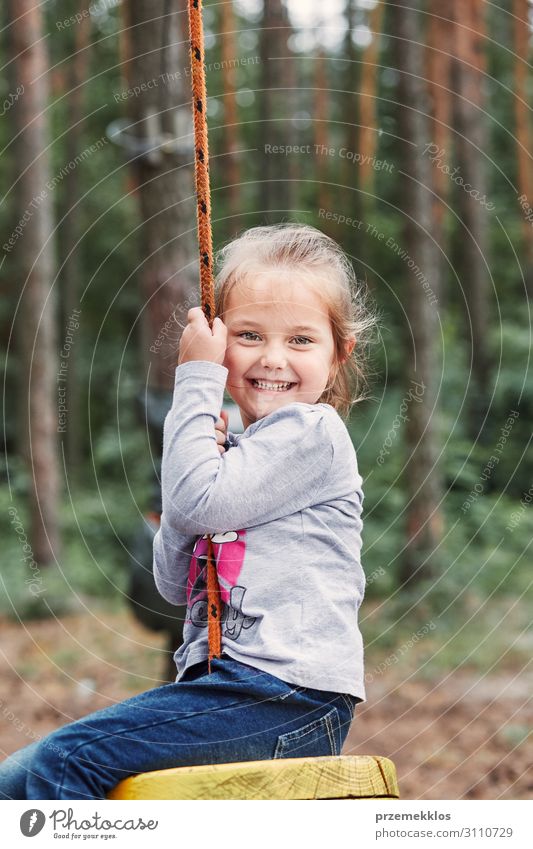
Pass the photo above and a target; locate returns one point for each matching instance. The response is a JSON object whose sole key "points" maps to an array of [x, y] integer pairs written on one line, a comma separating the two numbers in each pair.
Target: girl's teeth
{"points": [[275, 387]]}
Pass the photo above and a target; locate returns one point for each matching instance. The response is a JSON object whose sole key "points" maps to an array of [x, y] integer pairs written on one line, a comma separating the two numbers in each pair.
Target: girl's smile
{"points": [[271, 386]]}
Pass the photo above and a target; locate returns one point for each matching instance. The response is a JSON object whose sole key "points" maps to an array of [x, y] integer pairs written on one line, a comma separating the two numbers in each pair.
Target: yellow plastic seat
{"points": [[341, 777]]}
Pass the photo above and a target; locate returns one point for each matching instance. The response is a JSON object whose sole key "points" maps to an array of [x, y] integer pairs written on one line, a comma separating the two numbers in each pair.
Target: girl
{"points": [[282, 502]]}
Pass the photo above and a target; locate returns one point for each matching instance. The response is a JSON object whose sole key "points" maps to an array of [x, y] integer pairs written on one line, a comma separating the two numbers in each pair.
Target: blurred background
{"points": [[403, 130]]}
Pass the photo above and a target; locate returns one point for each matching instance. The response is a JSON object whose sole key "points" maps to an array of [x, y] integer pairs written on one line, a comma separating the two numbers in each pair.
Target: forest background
{"points": [[403, 131]]}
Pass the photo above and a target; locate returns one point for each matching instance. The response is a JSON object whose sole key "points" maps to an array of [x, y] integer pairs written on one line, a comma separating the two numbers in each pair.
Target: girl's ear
{"points": [[350, 345]]}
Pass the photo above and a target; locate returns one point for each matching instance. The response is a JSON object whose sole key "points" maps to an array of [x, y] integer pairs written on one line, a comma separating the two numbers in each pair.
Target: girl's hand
{"points": [[199, 343], [221, 427]]}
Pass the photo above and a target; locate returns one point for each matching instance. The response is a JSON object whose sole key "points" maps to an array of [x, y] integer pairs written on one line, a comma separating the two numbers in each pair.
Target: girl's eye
{"points": [[246, 334]]}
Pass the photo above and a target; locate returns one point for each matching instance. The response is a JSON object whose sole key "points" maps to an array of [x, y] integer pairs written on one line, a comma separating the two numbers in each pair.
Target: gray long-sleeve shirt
{"points": [[284, 504]]}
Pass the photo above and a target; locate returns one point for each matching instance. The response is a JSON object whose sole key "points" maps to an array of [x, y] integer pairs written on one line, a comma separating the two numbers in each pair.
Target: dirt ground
{"points": [[463, 736]]}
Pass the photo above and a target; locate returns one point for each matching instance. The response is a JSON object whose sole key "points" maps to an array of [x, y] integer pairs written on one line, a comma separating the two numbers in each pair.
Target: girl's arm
{"points": [[172, 550], [172, 557], [277, 470]]}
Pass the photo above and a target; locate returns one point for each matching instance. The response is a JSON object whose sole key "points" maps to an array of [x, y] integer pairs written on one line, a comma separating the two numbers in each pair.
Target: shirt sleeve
{"points": [[277, 470], [172, 558]]}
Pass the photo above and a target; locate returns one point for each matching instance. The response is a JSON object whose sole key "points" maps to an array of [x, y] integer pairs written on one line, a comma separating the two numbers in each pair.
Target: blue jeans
{"points": [[237, 713]]}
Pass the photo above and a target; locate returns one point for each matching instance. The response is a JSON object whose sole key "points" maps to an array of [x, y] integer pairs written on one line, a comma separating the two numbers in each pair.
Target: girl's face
{"points": [[280, 345]]}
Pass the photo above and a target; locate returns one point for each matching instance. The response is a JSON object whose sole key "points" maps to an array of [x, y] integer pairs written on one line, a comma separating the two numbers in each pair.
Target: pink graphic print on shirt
{"points": [[229, 549]]}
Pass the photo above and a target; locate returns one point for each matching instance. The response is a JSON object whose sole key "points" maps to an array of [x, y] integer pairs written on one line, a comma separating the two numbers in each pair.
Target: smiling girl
{"points": [[282, 504]]}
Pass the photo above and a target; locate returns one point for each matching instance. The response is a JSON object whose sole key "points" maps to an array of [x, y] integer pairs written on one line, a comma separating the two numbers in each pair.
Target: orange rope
{"points": [[201, 162], [207, 287]]}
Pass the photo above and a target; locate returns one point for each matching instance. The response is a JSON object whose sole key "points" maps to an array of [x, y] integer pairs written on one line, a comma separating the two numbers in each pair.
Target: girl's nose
{"points": [[274, 356]]}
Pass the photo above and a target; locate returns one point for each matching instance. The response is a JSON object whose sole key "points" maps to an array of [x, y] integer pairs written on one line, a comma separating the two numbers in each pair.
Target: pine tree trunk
{"points": [[438, 67], [368, 117], [69, 227], [423, 481], [231, 134], [156, 52], [471, 142], [275, 187], [156, 61], [320, 125], [36, 330], [356, 241], [292, 98], [521, 33], [351, 102]]}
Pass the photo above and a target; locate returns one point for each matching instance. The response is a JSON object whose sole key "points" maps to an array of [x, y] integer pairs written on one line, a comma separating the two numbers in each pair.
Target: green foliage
{"points": [[484, 550], [97, 522]]}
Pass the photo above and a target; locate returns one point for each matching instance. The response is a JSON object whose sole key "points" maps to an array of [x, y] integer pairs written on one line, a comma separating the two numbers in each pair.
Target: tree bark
{"points": [[156, 53], [471, 141], [521, 32], [320, 124], [277, 130], [438, 56], [36, 332], [368, 114], [69, 229], [351, 100], [231, 133], [423, 480], [156, 60]]}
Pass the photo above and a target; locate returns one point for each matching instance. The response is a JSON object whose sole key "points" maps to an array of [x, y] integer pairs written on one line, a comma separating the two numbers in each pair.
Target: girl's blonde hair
{"points": [[309, 252]]}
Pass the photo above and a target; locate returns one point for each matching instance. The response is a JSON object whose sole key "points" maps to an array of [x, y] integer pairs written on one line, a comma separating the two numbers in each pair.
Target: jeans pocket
{"points": [[321, 737], [351, 702]]}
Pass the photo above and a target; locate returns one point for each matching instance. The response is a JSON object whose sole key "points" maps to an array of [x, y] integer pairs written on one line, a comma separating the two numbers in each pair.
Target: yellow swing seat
{"points": [[338, 777]]}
